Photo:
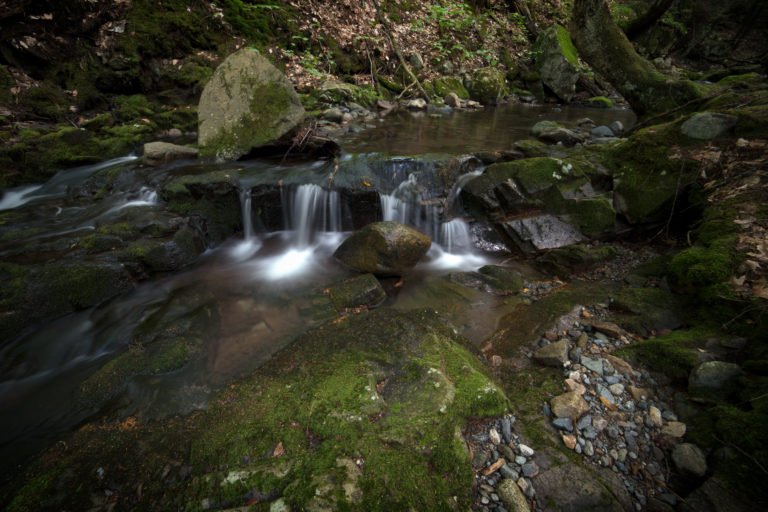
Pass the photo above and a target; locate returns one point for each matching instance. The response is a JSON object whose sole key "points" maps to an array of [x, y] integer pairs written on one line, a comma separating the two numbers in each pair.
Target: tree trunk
{"points": [[521, 7], [636, 27], [605, 47]]}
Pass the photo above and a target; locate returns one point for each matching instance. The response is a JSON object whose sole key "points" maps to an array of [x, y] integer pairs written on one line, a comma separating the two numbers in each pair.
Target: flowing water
{"points": [[252, 295]]}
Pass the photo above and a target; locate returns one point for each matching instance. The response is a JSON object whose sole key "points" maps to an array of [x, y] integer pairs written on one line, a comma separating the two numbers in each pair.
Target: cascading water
{"points": [[313, 209]]}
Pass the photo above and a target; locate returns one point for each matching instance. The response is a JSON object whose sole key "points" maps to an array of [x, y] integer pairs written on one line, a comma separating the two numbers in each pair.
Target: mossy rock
{"points": [[593, 216], [247, 104], [532, 148], [673, 354], [557, 61], [600, 102], [645, 178], [487, 85], [165, 356], [502, 279], [383, 248], [450, 84], [359, 292], [564, 261], [519, 185], [391, 389], [212, 196]]}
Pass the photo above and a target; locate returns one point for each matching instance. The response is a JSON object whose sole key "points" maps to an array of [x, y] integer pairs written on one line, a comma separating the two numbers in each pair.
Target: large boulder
{"points": [[487, 85], [557, 61], [384, 248], [246, 104]]}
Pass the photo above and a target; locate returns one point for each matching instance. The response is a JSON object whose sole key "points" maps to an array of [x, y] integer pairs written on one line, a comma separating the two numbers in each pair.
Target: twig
{"points": [[750, 457], [405, 90]]}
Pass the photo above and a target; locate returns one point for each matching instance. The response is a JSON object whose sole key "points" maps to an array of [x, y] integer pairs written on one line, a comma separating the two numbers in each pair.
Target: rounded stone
{"points": [[689, 459], [384, 248]]}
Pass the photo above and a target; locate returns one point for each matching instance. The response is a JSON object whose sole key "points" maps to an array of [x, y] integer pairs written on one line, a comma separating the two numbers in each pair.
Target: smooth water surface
{"points": [[457, 132]]}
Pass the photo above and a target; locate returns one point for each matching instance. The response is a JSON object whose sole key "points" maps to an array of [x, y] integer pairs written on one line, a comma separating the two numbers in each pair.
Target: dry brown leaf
{"points": [[279, 450]]}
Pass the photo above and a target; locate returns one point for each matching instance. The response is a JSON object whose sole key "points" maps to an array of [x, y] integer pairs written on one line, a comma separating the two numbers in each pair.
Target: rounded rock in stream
{"points": [[384, 248]]}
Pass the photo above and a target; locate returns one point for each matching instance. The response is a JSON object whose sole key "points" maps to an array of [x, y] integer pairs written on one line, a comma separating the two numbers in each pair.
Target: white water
{"points": [[13, 198], [57, 185]]}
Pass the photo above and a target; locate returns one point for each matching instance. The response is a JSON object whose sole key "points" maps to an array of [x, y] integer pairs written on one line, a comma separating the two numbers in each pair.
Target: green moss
{"points": [[532, 148], [600, 102], [703, 271], [269, 101], [46, 101], [673, 354], [444, 85], [566, 46], [592, 216], [564, 261]]}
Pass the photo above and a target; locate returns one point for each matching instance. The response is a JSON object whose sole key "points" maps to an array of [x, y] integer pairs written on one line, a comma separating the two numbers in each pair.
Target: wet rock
{"points": [[602, 131], [712, 375], [511, 496], [333, 114], [689, 459], [555, 354], [359, 292], [708, 125], [561, 135], [595, 365], [617, 127], [573, 487], [384, 248], [416, 104], [246, 104], [539, 233], [452, 100], [557, 61], [565, 260], [569, 405], [160, 153]]}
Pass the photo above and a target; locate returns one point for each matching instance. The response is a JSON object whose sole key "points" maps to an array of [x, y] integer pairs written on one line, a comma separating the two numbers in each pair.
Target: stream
{"points": [[250, 296]]}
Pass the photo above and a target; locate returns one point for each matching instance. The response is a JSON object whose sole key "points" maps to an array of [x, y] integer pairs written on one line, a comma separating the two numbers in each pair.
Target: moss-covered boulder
{"points": [[487, 85], [365, 413], [384, 248], [517, 186], [247, 104], [443, 86], [557, 61]]}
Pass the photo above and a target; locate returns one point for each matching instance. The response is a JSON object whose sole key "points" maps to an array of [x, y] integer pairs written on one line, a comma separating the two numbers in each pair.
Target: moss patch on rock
{"points": [[393, 401]]}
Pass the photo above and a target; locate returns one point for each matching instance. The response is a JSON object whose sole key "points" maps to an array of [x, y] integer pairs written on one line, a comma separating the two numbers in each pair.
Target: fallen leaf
{"points": [[279, 450]]}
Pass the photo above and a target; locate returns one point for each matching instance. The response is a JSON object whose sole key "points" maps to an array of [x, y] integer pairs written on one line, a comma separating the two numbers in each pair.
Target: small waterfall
{"points": [[312, 209], [245, 204], [455, 236], [147, 197]]}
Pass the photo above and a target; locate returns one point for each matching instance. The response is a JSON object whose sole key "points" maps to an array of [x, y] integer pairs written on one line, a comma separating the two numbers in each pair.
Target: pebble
{"points": [[494, 436], [563, 424], [506, 429], [526, 450], [520, 460], [654, 415]]}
